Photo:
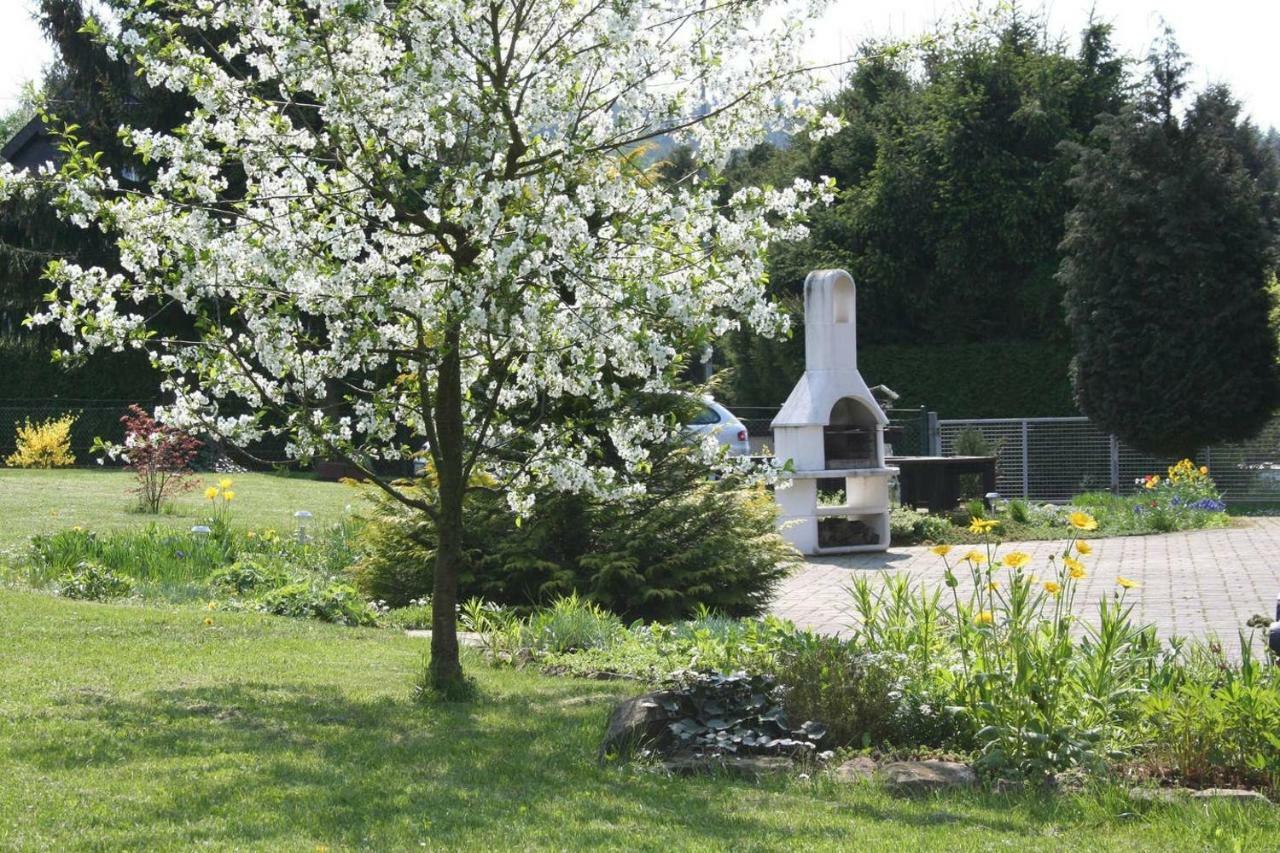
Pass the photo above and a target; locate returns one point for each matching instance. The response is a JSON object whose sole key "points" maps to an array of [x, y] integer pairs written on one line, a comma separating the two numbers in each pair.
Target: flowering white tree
{"points": [[403, 224]]}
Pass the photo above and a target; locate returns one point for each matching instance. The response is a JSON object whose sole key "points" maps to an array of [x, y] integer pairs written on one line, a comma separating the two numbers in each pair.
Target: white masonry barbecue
{"points": [[831, 428]]}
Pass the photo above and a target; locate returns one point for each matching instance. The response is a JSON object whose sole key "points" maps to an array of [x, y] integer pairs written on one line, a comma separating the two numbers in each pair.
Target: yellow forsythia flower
{"points": [[43, 445]]}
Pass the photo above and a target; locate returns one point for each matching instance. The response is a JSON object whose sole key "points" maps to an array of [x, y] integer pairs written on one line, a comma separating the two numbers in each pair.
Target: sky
{"points": [[1229, 41]]}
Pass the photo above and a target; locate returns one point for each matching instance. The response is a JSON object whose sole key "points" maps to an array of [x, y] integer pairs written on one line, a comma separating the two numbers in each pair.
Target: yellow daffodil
{"points": [[211, 492], [941, 550], [1016, 559], [976, 557], [225, 483], [228, 495], [1052, 588], [1083, 547], [1125, 583], [984, 617], [1082, 521]]}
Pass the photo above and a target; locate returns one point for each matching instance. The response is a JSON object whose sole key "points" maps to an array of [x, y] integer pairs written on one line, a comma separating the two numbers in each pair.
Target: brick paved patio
{"points": [[1198, 583]]}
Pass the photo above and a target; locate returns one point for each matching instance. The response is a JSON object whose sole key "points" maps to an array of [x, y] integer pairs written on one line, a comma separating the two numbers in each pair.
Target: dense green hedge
{"points": [[27, 372], [974, 380], [1015, 379]]}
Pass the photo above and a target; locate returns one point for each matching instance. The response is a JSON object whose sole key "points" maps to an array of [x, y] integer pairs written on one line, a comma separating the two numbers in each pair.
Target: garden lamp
{"points": [[303, 516]]}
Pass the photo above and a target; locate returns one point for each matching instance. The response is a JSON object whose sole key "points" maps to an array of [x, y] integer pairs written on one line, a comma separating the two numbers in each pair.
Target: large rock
{"points": [[922, 777], [1236, 795], [860, 769], [744, 766], [637, 723]]}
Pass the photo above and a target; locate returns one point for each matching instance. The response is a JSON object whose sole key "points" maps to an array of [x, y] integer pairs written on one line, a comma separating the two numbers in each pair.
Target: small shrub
{"points": [[908, 526], [853, 692], [248, 577], [316, 599], [971, 442], [159, 456], [1223, 730], [44, 445], [90, 581], [1019, 511], [975, 508], [686, 541]]}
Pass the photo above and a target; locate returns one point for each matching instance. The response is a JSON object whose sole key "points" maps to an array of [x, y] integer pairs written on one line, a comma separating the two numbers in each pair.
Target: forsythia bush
{"points": [[44, 445]]}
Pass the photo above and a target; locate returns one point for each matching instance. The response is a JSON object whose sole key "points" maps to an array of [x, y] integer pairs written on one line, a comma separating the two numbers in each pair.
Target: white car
{"points": [[714, 419]]}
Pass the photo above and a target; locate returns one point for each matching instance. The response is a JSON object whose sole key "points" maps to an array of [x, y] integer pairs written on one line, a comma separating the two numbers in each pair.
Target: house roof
{"points": [[30, 147]]}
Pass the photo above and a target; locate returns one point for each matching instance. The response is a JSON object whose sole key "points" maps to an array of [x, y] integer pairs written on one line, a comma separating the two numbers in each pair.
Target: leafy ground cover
{"points": [[129, 726], [34, 502]]}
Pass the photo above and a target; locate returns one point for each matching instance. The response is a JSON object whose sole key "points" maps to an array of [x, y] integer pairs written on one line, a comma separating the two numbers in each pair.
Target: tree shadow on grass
{"points": [[276, 763]]}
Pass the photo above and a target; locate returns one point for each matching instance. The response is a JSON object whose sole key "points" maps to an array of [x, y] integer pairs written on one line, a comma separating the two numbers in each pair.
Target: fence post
{"points": [[1115, 464], [1026, 459], [933, 436]]}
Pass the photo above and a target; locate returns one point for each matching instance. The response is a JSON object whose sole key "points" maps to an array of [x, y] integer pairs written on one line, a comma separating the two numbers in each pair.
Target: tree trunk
{"points": [[445, 671]]}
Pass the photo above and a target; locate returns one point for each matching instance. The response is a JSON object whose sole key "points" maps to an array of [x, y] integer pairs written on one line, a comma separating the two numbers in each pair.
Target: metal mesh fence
{"points": [[94, 418], [1052, 459]]}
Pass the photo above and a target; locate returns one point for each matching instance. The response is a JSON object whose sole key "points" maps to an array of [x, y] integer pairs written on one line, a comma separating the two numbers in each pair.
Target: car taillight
{"points": [[742, 435]]}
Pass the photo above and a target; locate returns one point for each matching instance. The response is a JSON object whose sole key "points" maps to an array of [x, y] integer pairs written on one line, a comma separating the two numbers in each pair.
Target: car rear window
{"points": [[706, 416]]}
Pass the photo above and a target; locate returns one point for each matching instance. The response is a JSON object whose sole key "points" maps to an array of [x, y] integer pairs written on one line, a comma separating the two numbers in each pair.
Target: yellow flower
{"points": [[983, 525], [228, 496], [941, 550], [1016, 559], [1083, 547], [211, 492], [250, 534], [225, 483], [1204, 469], [976, 557], [984, 617], [1125, 583], [208, 620], [1052, 588], [1083, 521], [993, 586], [213, 605], [1073, 564]]}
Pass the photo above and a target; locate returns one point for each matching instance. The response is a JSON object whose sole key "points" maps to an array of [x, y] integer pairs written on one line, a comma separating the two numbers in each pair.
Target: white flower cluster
{"points": [[385, 215]]}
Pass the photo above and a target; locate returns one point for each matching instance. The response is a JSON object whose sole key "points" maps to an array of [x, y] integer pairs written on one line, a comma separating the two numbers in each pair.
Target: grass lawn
{"points": [[127, 726], [47, 501]]}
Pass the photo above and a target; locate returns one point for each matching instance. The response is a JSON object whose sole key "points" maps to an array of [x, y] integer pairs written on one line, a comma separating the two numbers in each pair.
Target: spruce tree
{"points": [[1166, 264]]}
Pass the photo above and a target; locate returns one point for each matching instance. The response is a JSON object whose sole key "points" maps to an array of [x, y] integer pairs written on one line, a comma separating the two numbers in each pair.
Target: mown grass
{"points": [[48, 501], [131, 727]]}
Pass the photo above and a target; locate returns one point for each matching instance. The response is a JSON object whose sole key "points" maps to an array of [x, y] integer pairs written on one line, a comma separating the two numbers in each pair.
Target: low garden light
{"points": [[1273, 635], [303, 517], [201, 530]]}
